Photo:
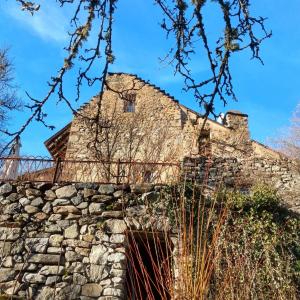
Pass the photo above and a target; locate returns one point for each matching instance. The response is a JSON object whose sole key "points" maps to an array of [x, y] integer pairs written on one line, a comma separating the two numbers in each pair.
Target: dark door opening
{"points": [[149, 266]]}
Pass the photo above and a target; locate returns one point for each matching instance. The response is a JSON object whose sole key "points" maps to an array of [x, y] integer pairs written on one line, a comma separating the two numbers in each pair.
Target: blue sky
{"points": [[268, 93]]}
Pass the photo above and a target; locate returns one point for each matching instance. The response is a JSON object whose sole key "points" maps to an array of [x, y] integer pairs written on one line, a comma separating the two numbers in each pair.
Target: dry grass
{"points": [[208, 255]]}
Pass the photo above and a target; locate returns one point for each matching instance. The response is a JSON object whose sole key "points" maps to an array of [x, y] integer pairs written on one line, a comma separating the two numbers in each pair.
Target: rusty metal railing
{"points": [[37, 169]]}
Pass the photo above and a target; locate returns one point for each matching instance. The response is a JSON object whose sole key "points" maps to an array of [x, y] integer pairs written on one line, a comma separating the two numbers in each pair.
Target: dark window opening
{"points": [[129, 102], [147, 176], [149, 266]]}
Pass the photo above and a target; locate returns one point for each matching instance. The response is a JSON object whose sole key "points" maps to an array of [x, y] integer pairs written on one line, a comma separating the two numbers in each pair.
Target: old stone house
{"points": [[146, 123], [138, 122]]}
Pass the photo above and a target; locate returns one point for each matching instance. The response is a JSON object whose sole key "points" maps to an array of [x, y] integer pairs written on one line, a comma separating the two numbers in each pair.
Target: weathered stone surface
{"points": [[118, 194], [10, 287], [102, 198], [115, 226], [95, 208], [141, 188], [83, 205], [117, 257], [118, 273], [51, 280], [5, 248], [7, 274], [77, 200], [37, 202], [53, 228], [13, 197], [106, 189], [31, 209], [24, 201], [40, 216], [98, 254], [50, 195], [9, 234], [12, 209], [54, 250], [117, 238], [72, 256], [91, 290], [112, 214], [113, 292], [68, 191], [136, 211], [82, 251], [55, 240], [58, 202], [71, 232], [65, 210], [37, 244], [54, 217], [79, 279], [89, 192], [32, 193], [34, 278], [5, 189], [46, 293], [76, 243], [50, 259], [52, 270]]}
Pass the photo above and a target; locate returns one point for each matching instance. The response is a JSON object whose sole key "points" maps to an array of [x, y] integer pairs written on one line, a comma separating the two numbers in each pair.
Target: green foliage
{"points": [[261, 197], [260, 248]]}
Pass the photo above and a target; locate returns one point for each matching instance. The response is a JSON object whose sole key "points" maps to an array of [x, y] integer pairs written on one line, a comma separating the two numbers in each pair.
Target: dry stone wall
{"points": [[69, 242], [241, 174]]}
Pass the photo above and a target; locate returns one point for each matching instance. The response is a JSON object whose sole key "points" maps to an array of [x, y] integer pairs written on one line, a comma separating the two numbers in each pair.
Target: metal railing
{"points": [[36, 169]]}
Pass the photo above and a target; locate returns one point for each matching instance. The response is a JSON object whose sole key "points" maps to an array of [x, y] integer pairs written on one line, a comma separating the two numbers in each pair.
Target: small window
{"points": [[129, 106], [147, 176], [129, 102]]}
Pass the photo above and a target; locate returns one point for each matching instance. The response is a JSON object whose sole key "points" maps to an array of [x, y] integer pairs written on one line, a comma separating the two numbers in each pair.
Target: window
{"points": [[147, 176], [129, 102]]}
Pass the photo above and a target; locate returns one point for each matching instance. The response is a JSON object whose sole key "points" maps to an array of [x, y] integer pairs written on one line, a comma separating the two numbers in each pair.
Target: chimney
{"points": [[238, 121]]}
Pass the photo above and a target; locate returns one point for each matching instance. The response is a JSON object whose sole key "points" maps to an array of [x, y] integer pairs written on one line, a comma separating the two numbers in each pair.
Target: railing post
{"points": [[57, 165], [118, 171]]}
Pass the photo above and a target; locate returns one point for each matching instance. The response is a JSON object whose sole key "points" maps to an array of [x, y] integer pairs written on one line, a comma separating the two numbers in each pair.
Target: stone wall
{"points": [[69, 242], [241, 174]]}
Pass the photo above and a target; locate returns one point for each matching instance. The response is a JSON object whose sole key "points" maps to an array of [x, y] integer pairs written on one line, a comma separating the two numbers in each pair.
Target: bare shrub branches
{"points": [[8, 98], [187, 23], [289, 141], [183, 20]]}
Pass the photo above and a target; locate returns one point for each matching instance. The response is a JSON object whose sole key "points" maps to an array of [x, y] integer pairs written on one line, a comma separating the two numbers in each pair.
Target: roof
{"points": [[57, 144]]}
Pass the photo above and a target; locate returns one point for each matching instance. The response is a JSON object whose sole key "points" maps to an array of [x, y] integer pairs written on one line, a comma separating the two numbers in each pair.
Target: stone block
{"points": [[71, 232], [50, 259], [9, 234], [38, 245], [68, 191], [7, 274], [91, 290], [115, 226]]}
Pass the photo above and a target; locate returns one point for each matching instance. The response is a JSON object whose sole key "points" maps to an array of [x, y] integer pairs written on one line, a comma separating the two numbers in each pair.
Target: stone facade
{"points": [[69, 242], [157, 128]]}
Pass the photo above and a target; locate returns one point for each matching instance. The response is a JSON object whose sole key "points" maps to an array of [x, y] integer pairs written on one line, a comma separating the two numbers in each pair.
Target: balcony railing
{"points": [[36, 169]]}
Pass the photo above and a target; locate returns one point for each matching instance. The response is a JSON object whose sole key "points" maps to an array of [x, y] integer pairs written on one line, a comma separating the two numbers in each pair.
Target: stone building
{"points": [[138, 122], [145, 123]]}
